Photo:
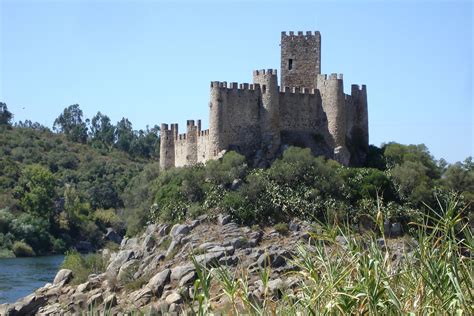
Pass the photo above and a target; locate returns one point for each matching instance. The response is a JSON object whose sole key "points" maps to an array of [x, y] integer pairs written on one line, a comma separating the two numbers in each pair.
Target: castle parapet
{"points": [[298, 90], [301, 34]]}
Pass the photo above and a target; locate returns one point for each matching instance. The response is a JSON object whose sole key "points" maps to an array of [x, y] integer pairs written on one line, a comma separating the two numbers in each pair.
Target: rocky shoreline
{"points": [[159, 266]]}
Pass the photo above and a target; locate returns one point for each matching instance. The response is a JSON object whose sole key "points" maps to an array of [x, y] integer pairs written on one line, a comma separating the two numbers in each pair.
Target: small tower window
{"points": [[290, 64]]}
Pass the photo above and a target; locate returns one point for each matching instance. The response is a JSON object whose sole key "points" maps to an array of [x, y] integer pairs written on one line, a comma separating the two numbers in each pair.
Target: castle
{"points": [[258, 120]]}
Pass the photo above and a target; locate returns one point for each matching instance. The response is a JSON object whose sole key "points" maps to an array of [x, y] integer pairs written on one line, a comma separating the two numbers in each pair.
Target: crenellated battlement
{"points": [[297, 90], [300, 34], [223, 86], [355, 88], [333, 76], [204, 133], [271, 72], [258, 119]]}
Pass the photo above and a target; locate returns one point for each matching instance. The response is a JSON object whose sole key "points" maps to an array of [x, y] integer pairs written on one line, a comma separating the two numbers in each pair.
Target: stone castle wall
{"points": [[303, 51], [308, 110]]}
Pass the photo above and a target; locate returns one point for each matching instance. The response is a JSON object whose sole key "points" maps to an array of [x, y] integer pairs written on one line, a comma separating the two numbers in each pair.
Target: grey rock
{"points": [[188, 278], [229, 250], [151, 228], [211, 258], [164, 230], [271, 259], [387, 228], [180, 229], [341, 240], [236, 184], [95, 299], [121, 257], [396, 230], [194, 223], [157, 283], [237, 243], [229, 261], [29, 305], [53, 309], [223, 219], [160, 308], [83, 287], [381, 243], [127, 270], [148, 243], [208, 245], [276, 287], [113, 236], [294, 227], [141, 297], [63, 275], [110, 301], [173, 298], [178, 272], [171, 248]]}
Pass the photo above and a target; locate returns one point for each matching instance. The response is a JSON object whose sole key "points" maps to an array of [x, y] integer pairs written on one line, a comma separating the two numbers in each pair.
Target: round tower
{"points": [[332, 94], [216, 119], [270, 110], [167, 152]]}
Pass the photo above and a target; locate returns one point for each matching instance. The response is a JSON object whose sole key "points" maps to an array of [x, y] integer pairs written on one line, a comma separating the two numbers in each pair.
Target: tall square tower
{"points": [[300, 59]]}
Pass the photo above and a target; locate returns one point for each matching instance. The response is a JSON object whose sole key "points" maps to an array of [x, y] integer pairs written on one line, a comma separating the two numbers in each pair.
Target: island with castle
{"points": [[259, 120]]}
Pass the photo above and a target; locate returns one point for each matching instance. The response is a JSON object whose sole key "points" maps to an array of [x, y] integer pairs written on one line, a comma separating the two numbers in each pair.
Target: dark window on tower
{"points": [[290, 64]]}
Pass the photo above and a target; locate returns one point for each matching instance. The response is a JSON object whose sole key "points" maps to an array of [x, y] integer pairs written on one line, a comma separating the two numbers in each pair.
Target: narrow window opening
{"points": [[290, 64]]}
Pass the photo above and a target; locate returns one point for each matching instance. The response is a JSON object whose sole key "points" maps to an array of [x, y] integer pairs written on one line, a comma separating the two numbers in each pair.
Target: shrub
{"points": [[108, 218], [224, 171], [22, 249], [282, 228], [5, 220], [83, 265]]}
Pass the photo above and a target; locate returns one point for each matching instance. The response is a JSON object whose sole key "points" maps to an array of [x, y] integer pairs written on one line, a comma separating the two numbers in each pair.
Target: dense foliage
{"points": [[301, 185], [342, 274], [57, 189]]}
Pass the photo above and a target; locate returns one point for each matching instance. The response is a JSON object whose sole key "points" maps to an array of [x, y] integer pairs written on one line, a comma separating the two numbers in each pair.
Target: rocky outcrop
{"points": [[156, 271]]}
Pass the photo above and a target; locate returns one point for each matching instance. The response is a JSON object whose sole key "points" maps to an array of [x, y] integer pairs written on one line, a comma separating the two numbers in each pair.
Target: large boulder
{"points": [[180, 229], [63, 275], [122, 257], [29, 305], [157, 283], [178, 272], [113, 236]]}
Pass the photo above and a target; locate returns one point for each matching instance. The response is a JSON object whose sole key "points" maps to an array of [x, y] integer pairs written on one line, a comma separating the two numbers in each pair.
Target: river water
{"points": [[21, 276]]}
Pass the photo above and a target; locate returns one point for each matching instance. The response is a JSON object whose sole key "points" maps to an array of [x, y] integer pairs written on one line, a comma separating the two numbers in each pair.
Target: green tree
{"points": [[36, 191], [102, 131], [71, 124], [5, 115], [124, 135]]}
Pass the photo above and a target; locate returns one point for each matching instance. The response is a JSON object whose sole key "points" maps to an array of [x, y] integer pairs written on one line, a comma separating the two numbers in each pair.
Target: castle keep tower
{"points": [[260, 119], [300, 59]]}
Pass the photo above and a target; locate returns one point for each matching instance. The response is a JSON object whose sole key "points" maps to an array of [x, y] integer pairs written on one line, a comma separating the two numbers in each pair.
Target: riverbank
{"points": [[22, 276], [213, 265]]}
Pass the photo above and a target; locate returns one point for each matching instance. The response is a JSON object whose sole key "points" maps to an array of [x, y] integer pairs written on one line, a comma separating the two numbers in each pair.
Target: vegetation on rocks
{"points": [[60, 188]]}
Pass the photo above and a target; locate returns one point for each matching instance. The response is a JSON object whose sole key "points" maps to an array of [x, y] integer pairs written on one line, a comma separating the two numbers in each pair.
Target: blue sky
{"points": [[152, 61]]}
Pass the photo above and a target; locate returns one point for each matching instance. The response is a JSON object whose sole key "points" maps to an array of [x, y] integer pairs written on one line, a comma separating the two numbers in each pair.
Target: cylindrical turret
{"points": [[361, 116], [332, 95], [216, 123], [191, 142], [167, 151], [270, 111]]}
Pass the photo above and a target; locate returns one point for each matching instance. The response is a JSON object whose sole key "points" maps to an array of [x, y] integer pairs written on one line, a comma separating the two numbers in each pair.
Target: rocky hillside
{"points": [[155, 272]]}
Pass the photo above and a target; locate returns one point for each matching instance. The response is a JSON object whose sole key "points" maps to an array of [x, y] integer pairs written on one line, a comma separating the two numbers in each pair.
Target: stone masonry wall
{"points": [[304, 51], [236, 110], [307, 110]]}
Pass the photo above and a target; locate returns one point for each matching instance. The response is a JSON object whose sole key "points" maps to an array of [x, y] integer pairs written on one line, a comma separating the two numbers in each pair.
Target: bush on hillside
{"points": [[22, 249]]}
